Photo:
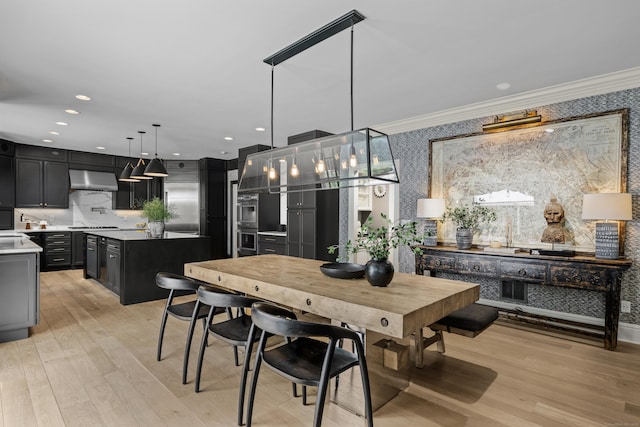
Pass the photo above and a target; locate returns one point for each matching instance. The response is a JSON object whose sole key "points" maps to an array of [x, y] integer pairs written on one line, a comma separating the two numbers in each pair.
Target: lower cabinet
{"points": [[272, 244], [92, 266], [19, 295], [77, 249], [57, 250], [112, 279]]}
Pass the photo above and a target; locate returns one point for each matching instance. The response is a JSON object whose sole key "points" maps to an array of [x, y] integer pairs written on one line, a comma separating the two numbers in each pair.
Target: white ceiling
{"points": [[195, 66]]}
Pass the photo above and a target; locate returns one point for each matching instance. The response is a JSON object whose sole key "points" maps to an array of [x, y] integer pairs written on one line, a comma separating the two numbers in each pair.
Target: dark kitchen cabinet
{"points": [[7, 178], [213, 204], [309, 230], [78, 249], [42, 184], [57, 250], [112, 280], [92, 263]]}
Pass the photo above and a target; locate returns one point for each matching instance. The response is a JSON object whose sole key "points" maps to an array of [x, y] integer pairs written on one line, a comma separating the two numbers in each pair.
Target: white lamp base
{"points": [[607, 241]]}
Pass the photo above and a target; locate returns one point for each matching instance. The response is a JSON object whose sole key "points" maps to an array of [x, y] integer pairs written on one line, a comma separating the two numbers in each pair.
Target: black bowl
{"points": [[343, 270]]}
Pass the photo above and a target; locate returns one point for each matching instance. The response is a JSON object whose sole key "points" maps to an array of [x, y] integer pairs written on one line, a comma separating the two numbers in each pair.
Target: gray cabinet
{"points": [[312, 227], [92, 263], [272, 244], [112, 279], [42, 184], [78, 249], [57, 250], [7, 178], [19, 295]]}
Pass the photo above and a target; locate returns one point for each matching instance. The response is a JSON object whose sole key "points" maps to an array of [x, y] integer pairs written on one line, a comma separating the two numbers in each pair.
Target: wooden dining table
{"points": [[387, 316]]}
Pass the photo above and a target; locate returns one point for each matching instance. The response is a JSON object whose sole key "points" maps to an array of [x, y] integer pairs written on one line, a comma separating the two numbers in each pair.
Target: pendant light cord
{"points": [[351, 75], [272, 73]]}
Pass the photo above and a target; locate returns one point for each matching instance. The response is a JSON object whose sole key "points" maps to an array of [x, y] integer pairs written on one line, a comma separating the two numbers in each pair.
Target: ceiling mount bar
{"points": [[334, 27]]}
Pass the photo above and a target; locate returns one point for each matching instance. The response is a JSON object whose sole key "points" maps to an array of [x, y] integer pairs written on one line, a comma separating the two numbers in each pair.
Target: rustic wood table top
{"points": [[407, 304]]}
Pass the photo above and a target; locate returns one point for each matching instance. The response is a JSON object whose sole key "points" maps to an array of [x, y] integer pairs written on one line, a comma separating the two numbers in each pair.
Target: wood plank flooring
{"points": [[91, 362]]}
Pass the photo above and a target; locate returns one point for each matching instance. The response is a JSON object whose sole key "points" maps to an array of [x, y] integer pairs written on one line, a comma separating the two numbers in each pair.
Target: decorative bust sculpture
{"points": [[554, 215]]}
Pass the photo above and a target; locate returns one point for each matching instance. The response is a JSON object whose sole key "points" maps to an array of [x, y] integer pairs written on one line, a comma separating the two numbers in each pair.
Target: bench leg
{"points": [[421, 343]]}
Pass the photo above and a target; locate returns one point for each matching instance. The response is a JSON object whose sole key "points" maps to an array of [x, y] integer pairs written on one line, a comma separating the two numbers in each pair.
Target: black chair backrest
{"points": [[216, 297], [276, 320], [176, 282]]}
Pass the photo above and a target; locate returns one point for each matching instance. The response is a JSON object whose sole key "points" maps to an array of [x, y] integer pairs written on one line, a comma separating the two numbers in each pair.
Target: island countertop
{"points": [[16, 243], [139, 235]]}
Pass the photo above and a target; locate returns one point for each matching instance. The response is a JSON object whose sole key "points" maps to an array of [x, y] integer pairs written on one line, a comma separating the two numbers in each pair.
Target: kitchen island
{"points": [[19, 286], [126, 262]]}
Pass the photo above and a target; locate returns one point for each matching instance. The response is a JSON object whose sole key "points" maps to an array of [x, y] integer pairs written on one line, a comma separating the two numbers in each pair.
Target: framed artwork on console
{"points": [[518, 171]]}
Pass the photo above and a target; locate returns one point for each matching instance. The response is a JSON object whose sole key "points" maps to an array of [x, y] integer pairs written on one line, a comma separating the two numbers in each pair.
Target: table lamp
{"points": [[608, 207], [430, 209]]}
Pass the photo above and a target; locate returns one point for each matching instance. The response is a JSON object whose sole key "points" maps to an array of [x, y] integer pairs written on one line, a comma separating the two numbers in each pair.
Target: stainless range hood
{"points": [[92, 180]]}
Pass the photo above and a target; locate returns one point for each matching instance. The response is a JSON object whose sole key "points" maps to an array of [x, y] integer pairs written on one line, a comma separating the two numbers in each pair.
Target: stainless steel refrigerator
{"points": [[181, 193]]}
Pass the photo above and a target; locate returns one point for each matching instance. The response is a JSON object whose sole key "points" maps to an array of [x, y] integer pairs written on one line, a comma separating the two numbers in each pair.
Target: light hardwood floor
{"points": [[91, 362]]}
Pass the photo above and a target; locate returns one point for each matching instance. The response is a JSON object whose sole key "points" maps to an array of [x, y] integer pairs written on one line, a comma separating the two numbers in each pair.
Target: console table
{"points": [[578, 272]]}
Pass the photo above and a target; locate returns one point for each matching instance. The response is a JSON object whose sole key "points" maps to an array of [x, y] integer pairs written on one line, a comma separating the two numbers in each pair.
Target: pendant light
{"points": [[138, 171], [125, 176], [155, 166], [359, 158]]}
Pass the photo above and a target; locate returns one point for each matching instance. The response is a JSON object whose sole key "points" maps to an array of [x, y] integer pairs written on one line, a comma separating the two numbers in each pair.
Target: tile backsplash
{"points": [[86, 208]]}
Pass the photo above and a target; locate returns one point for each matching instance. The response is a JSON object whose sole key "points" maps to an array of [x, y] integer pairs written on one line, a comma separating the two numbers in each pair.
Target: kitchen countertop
{"points": [[138, 235], [54, 228], [15, 243]]}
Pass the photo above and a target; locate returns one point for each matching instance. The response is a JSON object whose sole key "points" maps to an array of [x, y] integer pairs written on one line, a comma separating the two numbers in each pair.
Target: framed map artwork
{"points": [[517, 172]]}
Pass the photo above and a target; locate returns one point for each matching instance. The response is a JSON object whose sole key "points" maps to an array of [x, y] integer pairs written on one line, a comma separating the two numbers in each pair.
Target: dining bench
{"points": [[469, 321]]}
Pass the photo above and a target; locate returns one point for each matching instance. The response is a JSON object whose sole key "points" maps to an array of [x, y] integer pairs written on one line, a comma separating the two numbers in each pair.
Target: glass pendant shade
{"points": [[323, 163], [156, 168]]}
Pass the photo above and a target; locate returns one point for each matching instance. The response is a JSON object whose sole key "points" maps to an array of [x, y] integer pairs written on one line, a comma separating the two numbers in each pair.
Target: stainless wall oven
{"points": [[247, 242], [248, 211]]}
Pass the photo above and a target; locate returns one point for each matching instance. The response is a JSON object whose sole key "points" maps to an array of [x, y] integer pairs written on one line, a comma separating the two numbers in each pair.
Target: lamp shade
{"points": [[430, 208], [156, 168], [607, 206]]}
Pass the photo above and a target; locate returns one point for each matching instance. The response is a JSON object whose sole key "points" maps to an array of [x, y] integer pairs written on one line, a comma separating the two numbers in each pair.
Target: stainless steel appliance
{"points": [[247, 241], [248, 210], [181, 189]]}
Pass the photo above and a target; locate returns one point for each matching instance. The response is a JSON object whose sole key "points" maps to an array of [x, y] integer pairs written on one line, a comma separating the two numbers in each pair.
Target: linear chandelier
{"points": [[352, 159]]}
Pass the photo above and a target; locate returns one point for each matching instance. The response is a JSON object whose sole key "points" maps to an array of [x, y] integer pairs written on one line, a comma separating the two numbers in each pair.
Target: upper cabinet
{"points": [[42, 184], [7, 178]]}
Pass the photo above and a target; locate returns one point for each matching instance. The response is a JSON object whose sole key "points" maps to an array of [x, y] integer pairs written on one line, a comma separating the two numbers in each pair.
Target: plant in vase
{"points": [[467, 219], [157, 213], [378, 242]]}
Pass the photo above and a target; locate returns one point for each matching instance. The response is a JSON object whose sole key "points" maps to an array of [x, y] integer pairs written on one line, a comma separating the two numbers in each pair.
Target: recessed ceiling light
{"points": [[549, 130], [47, 140], [62, 123], [228, 138], [83, 97], [260, 129], [503, 86], [223, 152], [100, 148], [53, 132], [69, 111], [176, 154], [144, 154]]}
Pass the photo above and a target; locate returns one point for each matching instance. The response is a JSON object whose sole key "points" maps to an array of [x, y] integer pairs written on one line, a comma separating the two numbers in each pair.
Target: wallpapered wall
{"points": [[412, 151]]}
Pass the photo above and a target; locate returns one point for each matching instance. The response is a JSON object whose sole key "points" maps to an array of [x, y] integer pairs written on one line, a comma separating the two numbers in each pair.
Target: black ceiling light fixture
{"points": [[155, 168], [125, 175], [138, 171], [353, 159]]}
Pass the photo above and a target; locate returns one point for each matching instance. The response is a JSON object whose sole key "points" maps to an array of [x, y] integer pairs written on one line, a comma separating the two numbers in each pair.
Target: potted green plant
{"points": [[157, 213], [467, 219], [378, 242]]}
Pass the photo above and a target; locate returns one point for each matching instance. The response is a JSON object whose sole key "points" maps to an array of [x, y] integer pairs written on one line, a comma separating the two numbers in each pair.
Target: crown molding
{"points": [[606, 83]]}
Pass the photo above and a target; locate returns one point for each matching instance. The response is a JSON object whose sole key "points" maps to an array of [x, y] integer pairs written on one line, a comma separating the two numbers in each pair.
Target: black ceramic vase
{"points": [[464, 238], [379, 272]]}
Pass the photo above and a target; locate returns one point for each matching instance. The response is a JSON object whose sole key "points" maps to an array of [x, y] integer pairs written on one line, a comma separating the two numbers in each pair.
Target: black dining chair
{"points": [[233, 331], [302, 359]]}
